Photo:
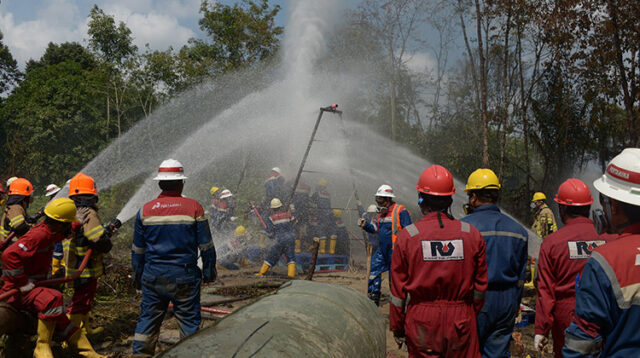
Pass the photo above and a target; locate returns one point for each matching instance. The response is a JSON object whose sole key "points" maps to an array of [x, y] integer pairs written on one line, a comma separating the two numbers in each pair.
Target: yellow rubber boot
{"points": [[291, 269], [263, 270], [43, 343], [87, 327], [332, 244], [323, 246], [297, 248], [80, 342]]}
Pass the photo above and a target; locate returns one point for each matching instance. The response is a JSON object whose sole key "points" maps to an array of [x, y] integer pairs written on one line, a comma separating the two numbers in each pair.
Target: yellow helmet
{"points": [[275, 203], [62, 209], [213, 190], [323, 182], [337, 213], [539, 196], [482, 179], [240, 231]]}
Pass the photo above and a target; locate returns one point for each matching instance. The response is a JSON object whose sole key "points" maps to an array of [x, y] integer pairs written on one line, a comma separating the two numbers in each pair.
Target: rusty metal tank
{"points": [[302, 319]]}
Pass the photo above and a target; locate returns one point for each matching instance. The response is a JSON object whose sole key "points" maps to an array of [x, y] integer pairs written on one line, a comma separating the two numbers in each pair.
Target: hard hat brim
{"points": [[53, 192], [617, 190], [163, 176]]}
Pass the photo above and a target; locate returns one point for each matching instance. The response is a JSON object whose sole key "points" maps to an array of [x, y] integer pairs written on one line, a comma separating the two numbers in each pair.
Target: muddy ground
{"points": [[117, 308]]}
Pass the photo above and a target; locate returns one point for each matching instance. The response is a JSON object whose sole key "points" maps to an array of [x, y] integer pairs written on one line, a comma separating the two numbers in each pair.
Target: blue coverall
{"points": [[372, 237], [280, 226], [506, 262], [169, 232], [381, 259]]}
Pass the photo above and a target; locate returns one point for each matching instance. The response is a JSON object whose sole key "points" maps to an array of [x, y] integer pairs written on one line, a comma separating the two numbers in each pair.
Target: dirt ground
{"points": [[117, 308]]}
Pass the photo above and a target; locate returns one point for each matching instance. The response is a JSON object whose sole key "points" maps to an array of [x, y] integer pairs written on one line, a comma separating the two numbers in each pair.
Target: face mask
{"points": [[467, 208], [532, 205]]}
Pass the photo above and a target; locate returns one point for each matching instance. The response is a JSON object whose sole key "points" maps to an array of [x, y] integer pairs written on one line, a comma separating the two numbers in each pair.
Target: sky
{"points": [[29, 25]]}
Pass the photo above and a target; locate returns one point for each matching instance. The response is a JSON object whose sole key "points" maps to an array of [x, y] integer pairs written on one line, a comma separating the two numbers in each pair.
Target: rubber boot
{"points": [[375, 297], [297, 249], [263, 270], [323, 246], [43, 343], [291, 269], [81, 344], [332, 244], [88, 330]]}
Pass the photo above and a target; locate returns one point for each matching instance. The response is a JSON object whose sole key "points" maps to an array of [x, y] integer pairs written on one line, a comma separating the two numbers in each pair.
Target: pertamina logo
{"points": [[583, 249], [159, 205], [442, 250]]}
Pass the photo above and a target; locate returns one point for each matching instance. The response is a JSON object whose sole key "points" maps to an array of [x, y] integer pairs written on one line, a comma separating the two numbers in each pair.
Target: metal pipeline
{"points": [[303, 319]]}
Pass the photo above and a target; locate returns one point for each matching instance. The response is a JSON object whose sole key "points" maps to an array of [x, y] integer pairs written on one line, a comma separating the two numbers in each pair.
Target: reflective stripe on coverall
{"points": [[169, 232], [443, 270], [506, 262], [561, 260], [13, 219], [381, 259], [27, 260], [606, 322]]}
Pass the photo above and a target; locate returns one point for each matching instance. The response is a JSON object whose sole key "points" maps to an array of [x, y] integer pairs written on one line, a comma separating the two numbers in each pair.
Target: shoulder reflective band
{"points": [[465, 227], [582, 346], [137, 249], [412, 230], [396, 301]]}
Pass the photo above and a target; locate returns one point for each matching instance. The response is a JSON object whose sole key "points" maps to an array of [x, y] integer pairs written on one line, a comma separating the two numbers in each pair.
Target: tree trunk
{"points": [[483, 88]]}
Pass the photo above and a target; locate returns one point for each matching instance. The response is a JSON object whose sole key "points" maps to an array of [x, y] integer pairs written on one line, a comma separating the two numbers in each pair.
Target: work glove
{"points": [[519, 316], [102, 245], [399, 337], [362, 222], [28, 287], [539, 341]]}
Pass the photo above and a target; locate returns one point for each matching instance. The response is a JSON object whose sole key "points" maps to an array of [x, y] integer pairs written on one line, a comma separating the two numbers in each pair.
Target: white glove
{"points": [[233, 218], [28, 287], [362, 222], [539, 341]]}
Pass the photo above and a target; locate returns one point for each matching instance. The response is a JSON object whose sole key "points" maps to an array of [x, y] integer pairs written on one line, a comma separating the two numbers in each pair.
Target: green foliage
{"points": [[67, 51], [9, 74], [113, 44]]}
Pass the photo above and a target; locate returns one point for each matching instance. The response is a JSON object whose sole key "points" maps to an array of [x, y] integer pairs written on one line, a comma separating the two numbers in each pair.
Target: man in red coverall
{"points": [[27, 261], [439, 262], [563, 255]]}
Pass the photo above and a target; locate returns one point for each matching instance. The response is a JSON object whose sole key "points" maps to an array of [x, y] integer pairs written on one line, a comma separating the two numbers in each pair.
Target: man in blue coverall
{"points": [[169, 232], [606, 320], [506, 262], [392, 218]]}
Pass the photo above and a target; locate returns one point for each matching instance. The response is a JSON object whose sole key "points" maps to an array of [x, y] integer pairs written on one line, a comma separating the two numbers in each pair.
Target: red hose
{"points": [[210, 310], [7, 240]]}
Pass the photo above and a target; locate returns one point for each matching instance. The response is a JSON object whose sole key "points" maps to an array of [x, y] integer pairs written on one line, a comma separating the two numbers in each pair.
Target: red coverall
{"points": [[563, 255], [29, 259], [442, 267]]}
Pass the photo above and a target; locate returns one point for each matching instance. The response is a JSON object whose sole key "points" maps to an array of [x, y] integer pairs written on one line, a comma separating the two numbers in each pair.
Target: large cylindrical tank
{"points": [[303, 319]]}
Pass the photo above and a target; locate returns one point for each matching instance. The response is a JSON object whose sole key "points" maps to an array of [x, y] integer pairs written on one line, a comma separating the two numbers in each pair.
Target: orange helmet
{"points": [[82, 184], [21, 186]]}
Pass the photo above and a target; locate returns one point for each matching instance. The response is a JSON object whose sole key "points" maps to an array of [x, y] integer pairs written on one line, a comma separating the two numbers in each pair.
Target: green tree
{"points": [[67, 51], [9, 74]]}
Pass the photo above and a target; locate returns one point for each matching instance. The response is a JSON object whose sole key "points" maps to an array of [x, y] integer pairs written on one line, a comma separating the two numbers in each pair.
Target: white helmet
{"points": [[372, 209], [621, 180], [170, 169], [225, 194], [385, 191], [52, 189], [277, 170], [275, 203], [10, 180]]}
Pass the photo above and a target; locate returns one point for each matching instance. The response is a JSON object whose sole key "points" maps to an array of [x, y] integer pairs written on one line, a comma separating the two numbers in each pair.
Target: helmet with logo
{"points": [[323, 182], [482, 179], [225, 194], [20, 186], [372, 209], [337, 213], [82, 184], [539, 196], [61, 209], [436, 180], [574, 192], [621, 180], [385, 191], [240, 231], [275, 203], [213, 190], [276, 170], [51, 190], [170, 169]]}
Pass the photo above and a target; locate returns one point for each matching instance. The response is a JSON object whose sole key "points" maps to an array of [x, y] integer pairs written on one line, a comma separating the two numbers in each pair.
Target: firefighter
{"points": [[58, 251], [606, 321], [15, 213], [26, 262], [302, 208], [544, 222], [506, 261], [560, 262], [339, 242], [322, 200], [391, 219], [88, 233], [274, 185], [440, 263], [168, 233], [280, 226], [222, 212]]}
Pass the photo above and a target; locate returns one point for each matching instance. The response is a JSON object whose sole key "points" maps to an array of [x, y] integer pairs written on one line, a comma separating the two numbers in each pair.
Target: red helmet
{"points": [[574, 192], [436, 180]]}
